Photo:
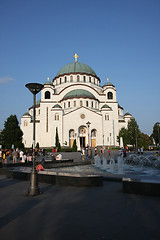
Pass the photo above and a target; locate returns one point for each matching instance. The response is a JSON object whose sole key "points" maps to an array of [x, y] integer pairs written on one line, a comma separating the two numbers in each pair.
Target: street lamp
{"points": [[34, 189], [88, 125], [158, 123]]}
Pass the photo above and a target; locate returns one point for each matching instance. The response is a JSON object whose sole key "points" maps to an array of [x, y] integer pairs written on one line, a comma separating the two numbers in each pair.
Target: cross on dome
{"points": [[107, 79], [75, 56], [48, 79]]}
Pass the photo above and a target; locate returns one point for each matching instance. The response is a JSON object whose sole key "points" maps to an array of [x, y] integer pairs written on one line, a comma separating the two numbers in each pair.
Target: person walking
{"points": [[141, 150], [0, 155], [14, 155]]}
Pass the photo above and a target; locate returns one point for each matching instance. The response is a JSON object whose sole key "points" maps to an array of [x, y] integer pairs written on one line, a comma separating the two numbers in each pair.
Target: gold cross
{"points": [[48, 79], [107, 79], [75, 56]]}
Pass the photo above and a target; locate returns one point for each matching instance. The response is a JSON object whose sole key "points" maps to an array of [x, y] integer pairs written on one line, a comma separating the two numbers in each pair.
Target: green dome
{"points": [[26, 114], [57, 106], [127, 114], [76, 67], [79, 93], [48, 83], [105, 106], [108, 84]]}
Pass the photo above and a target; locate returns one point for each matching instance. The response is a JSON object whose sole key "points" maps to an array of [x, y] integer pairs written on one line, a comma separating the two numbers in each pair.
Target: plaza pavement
{"points": [[66, 213]]}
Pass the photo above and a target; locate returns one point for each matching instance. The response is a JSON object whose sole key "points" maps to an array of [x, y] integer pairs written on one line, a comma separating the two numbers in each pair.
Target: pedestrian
{"points": [[21, 155], [0, 155], [14, 155], [124, 153], [83, 154], [141, 150], [138, 151], [4, 156]]}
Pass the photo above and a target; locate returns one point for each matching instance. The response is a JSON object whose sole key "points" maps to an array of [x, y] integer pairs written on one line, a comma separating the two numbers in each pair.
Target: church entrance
{"points": [[82, 136], [93, 137], [82, 142]]}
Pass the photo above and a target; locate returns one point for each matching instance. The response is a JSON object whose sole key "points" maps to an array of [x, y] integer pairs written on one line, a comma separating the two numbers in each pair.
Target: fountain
{"points": [[104, 166], [112, 165]]}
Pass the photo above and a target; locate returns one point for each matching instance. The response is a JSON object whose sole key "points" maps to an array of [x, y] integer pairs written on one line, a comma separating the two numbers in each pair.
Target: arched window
{"points": [[86, 103], [60, 80], [92, 104], [64, 105], [93, 133], [56, 117], [96, 105], [90, 79], [71, 133], [47, 95], [74, 103], [110, 95], [78, 78], [65, 79], [81, 103], [84, 78], [69, 104], [25, 123], [107, 117], [71, 78]]}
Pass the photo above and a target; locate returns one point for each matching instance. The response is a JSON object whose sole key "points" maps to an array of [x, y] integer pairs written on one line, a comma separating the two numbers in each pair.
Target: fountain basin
{"points": [[59, 178]]}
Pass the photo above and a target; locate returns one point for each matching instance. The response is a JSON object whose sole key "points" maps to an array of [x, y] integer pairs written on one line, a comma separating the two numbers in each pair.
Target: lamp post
{"points": [[88, 125], [158, 123], [34, 189]]}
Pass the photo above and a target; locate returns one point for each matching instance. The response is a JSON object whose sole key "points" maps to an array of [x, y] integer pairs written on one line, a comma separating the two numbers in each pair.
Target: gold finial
{"points": [[75, 56], [107, 79], [48, 79]]}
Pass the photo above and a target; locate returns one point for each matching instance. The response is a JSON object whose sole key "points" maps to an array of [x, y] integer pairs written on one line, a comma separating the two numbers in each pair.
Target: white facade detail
{"points": [[72, 99]]}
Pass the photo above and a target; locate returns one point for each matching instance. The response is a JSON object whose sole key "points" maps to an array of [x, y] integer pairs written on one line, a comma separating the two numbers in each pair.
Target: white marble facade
{"points": [[73, 98]]}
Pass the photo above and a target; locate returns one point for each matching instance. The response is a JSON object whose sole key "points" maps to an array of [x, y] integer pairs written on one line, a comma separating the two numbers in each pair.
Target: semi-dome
{"points": [[127, 114], [105, 106], [107, 84], [76, 67], [57, 106], [26, 114], [78, 93]]}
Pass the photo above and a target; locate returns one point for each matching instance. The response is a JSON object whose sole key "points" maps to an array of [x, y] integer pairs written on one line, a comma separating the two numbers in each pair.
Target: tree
{"points": [[58, 145], [11, 134], [37, 145], [134, 134], [74, 147], [145, 141], [156, 131], [57, 138], [124, 134]]}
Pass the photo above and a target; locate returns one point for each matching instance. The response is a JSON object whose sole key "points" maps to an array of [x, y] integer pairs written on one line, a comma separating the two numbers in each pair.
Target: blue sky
{"points": [[120, 40]]}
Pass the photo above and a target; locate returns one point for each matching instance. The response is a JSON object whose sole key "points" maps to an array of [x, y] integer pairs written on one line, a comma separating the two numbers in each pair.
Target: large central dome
{"points": [[76, 67]]}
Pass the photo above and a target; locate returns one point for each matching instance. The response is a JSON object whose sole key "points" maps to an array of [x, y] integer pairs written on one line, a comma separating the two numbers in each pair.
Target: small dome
{"points": [[47, 82], [76, 67], [108, 84], [57, 106], [79, 93], [127, 114], [26, 114], [105, 106]]}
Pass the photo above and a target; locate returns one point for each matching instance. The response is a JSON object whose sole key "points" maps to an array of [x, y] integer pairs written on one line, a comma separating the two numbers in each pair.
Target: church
{"points": [[77, 106]]}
